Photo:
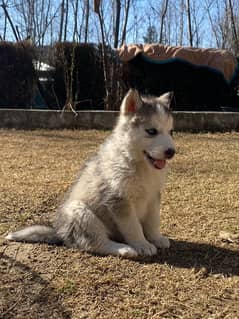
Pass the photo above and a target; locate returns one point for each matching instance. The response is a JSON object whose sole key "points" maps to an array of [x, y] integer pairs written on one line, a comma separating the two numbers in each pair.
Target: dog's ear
{"points": [[131, 102], [166, 99]]}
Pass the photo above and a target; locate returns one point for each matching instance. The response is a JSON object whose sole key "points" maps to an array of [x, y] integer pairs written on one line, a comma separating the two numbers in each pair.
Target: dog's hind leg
{"points": [[79, 227]]}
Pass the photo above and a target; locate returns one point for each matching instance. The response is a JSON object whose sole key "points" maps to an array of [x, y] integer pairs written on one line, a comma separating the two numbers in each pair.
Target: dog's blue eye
{"points": [[152, 131]]}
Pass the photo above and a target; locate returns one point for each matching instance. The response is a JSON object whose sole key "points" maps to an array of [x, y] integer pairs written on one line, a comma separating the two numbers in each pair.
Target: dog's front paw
{"points": [[144, 248], [128, 252], [161, 242]]}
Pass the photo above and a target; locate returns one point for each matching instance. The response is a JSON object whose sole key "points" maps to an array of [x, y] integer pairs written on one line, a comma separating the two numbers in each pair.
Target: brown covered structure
{"points": [[200, 78]]}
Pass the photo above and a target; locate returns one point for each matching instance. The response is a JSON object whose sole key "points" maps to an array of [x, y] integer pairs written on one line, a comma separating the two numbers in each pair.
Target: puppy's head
{"points": [[149, 124]]}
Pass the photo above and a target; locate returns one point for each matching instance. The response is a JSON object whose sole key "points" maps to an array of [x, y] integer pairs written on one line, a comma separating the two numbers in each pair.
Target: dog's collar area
{"points": [[156, 163]]}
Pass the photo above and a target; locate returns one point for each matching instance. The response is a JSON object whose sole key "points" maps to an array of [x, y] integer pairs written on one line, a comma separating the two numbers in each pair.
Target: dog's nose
{"points": [[169, 153]]}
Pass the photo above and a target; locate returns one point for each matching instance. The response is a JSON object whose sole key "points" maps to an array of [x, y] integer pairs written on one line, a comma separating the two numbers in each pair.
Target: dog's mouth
{"points": [[156, 163]]}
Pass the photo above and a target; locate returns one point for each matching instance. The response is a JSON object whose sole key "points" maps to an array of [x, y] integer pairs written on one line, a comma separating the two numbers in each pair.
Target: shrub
{"points": [[17, 75]]}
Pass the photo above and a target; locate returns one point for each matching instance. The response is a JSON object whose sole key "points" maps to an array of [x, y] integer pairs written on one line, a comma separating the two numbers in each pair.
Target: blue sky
{"points": [[142, 14]]}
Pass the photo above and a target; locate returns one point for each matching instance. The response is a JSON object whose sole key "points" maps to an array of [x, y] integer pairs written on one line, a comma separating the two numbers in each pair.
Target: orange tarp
{"points": [[221, 60]]}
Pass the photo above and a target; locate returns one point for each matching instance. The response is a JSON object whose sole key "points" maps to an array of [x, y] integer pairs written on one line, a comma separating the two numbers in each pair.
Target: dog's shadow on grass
{"points": [[26, 293], [211, 259]]}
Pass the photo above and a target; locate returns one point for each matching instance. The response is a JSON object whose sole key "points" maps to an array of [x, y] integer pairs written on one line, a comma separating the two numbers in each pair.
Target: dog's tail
{"points": [[36, 234]]}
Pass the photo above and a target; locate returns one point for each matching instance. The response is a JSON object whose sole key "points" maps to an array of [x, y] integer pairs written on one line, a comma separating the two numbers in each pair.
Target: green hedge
{"points": [[17, 76], [83, 63]]}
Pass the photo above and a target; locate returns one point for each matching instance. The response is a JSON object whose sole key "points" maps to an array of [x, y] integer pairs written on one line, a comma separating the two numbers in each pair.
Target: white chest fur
{"points": [[146, 189]]}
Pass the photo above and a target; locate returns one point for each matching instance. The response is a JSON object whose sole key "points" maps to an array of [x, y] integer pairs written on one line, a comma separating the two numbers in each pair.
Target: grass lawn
{"points": [[197, 278]]}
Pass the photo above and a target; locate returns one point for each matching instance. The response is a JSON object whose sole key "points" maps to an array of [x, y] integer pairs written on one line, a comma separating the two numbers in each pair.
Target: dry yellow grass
{"points": [[198, 278]]}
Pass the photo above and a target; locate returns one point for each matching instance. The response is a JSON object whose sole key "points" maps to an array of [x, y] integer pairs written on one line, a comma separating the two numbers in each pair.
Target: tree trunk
{"points": [[234, 30], [87, 13], [62, 20], [163, 15], [104, 60], [5, 28], [189, 23], [127, 6], [181, 22], [75, 27], [9, 20], [117, 23], [66, 19]]}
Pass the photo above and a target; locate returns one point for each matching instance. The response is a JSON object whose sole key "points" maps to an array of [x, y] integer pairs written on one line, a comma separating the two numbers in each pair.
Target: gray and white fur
{"points": [[113, 208]]}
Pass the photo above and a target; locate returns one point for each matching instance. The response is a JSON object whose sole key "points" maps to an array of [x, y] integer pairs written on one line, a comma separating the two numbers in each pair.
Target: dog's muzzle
{"points": [[156, 163], [160, 163]]}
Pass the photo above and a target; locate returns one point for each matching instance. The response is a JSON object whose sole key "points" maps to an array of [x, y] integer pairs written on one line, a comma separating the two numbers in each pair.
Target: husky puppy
{"points": [[113, 208]]}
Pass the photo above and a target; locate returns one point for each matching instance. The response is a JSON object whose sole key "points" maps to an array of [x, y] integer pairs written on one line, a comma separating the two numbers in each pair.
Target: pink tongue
{"points": [[159, 163]]}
